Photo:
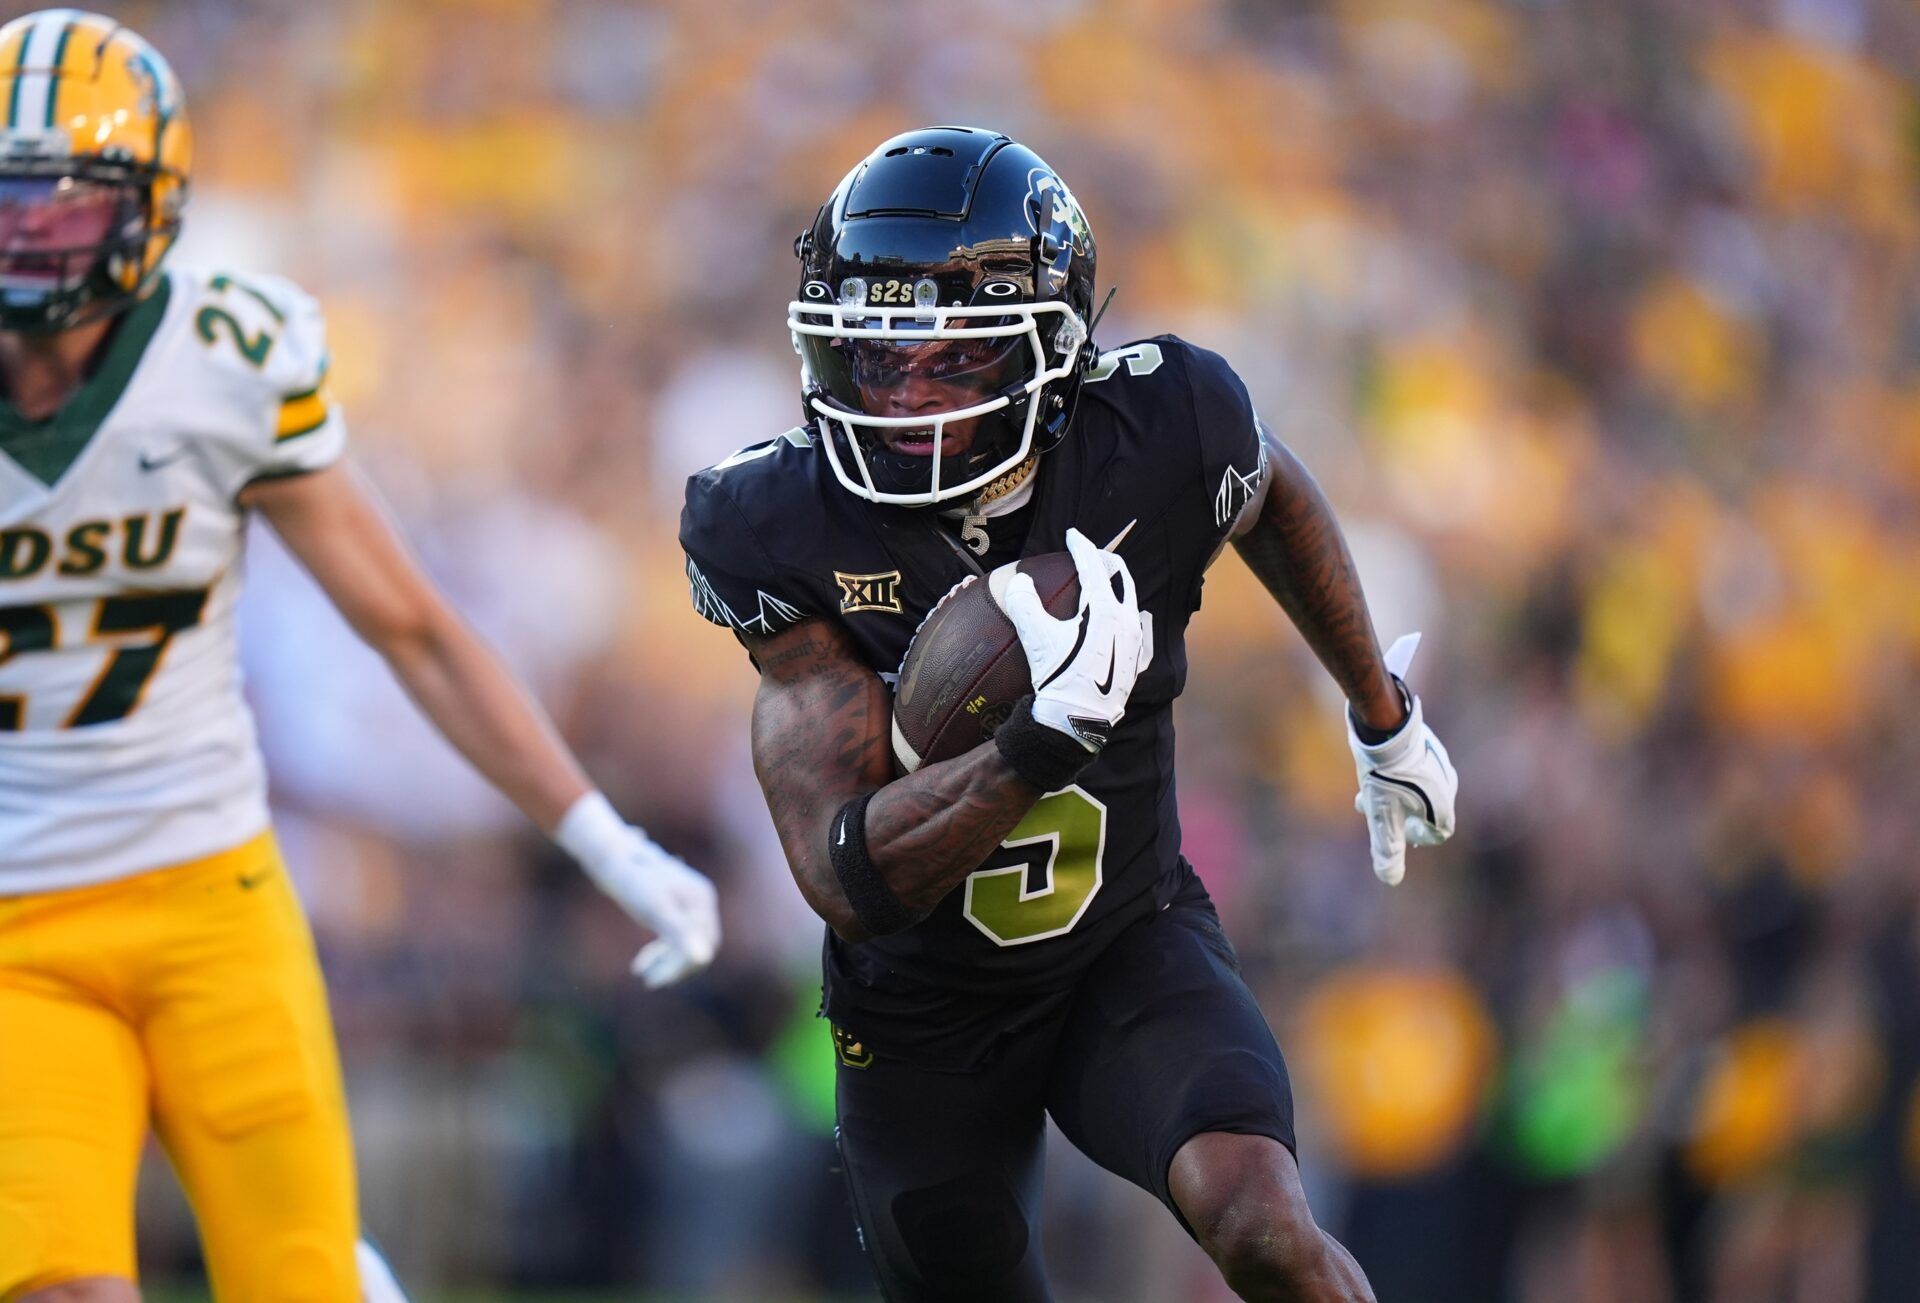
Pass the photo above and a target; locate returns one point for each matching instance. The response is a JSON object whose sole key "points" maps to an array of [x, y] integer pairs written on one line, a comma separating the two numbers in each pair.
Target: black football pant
{"points": [[1161, 1041]]}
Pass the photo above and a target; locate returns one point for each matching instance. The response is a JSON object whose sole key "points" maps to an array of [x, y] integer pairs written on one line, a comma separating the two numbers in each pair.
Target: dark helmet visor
{"points": [[52, 228], [896, 377]]}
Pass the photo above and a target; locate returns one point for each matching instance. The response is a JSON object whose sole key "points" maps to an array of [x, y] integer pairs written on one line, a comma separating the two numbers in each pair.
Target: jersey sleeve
{"points": [[732, 577], [267, 339], [1232, 449], [309, 433]]}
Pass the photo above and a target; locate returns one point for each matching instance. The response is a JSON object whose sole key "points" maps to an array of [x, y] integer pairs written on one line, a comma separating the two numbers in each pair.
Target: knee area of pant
{"points": [[93, 1289], [33, 1269], [21, 1245], [969, 1229], [294, 1268]]}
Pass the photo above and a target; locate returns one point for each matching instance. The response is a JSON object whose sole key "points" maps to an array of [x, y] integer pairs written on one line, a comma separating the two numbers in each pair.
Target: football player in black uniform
{"points": [[1014, 933]]}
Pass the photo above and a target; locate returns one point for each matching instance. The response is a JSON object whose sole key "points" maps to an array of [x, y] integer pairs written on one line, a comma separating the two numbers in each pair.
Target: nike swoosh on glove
{"points": [[1083, 668], [1407, 783]]}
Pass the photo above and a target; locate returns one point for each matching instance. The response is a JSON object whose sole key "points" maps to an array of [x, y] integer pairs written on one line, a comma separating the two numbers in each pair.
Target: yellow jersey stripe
{"points": [[303, 414]]}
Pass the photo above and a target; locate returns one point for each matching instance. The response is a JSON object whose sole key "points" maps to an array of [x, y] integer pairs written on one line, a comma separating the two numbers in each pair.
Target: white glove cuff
{"points": [[593, 832], [1396, 748]]}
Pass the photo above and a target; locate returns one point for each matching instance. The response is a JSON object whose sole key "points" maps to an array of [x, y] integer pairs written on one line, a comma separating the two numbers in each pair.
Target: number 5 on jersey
{"points": [[1032, 901]]}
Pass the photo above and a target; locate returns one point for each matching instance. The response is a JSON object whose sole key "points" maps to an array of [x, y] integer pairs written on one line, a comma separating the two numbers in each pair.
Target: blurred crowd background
{"points": [[1598, 319]]}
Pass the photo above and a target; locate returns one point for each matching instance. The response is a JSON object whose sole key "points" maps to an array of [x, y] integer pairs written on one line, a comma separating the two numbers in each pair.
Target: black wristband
{"points": [[1373, 737], [874, 904], [1044, 757]]}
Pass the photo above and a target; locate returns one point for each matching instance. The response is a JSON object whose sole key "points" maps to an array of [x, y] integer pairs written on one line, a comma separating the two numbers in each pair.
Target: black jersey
{"points": [[1165, 440]]}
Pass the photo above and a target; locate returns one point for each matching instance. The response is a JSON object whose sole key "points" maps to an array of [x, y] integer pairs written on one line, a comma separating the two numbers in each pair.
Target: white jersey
{"points": [[125, 744]]}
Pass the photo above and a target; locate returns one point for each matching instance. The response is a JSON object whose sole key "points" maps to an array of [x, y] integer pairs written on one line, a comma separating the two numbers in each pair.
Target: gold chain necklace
{"points": [[973, 528], [1001, 487]]}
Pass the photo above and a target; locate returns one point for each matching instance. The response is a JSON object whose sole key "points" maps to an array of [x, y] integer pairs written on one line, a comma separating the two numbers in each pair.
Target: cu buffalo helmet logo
{"points": [[879, 592], [1049, 201]]}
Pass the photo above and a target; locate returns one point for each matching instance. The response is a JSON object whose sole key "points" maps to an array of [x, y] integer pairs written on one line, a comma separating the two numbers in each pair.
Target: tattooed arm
{"points": [[1295, 547], [821, 724]]}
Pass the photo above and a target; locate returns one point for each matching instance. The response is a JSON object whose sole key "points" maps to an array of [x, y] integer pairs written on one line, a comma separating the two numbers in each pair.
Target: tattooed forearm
{"points": [[926, 832], [1296, 549], [821, 724]]}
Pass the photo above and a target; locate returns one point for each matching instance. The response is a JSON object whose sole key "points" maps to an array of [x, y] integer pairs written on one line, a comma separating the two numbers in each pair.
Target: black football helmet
{"points": [[948, 279]]}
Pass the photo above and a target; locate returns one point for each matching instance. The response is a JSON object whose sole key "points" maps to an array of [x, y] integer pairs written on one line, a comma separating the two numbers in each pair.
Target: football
{"points": [[965, 668]]}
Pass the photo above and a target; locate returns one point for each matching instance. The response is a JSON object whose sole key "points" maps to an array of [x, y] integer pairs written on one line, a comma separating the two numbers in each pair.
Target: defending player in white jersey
{"points": [[154, 962]]}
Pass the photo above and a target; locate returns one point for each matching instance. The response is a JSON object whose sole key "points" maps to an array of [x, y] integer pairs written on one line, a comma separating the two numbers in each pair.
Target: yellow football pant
{"points": [[190, 995]]}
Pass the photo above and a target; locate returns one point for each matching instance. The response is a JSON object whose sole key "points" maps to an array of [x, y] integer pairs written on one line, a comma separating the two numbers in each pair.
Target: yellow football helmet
{"points": [[95, 153]]}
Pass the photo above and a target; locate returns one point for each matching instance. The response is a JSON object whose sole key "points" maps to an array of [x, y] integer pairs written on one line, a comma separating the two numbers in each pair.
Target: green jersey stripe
{"points": [[54, 78]]}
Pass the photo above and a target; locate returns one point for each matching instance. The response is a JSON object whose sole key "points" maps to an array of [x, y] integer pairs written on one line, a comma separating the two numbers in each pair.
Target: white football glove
{"points": [[656, 889], [1083, 668], [1407, 783]]}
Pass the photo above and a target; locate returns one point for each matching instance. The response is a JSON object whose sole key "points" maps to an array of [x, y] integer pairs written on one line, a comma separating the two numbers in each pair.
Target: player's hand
{"points": [[660, 892], [656, 890], [1083, 668], [1407, 783]]}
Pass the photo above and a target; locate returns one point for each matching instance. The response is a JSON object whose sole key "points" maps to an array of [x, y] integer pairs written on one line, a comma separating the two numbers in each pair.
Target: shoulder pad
{"points": [[799, 437], [739, 515], [263, 326], [265, 339]]}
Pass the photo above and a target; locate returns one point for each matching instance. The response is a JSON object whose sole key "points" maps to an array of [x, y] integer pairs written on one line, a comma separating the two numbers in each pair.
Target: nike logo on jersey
{"points": [[249, 882], [149, 462]]}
